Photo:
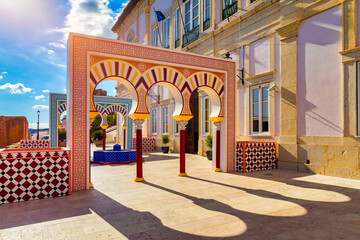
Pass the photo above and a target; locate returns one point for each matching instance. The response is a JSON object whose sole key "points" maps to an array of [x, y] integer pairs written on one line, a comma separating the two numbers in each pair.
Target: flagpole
{"points": [[183, 22], [157, 20]]}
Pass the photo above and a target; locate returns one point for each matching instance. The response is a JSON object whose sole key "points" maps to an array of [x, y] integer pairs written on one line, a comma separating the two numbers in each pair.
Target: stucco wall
{"points": [[142, 28], [12, 130], [260, 56], [320, 76]]}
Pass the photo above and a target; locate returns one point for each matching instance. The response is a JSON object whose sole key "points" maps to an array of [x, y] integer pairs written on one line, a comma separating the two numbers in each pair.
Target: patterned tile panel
{"points": [[29, 175], [258, 156], [34, 144], [148, 144]]}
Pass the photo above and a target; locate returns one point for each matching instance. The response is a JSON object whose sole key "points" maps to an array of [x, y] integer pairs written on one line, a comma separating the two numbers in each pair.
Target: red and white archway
{"points": [[138, 67]]}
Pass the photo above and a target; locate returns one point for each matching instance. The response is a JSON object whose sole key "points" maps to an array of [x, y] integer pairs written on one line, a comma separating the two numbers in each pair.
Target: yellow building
{"points": [[297, 67]]}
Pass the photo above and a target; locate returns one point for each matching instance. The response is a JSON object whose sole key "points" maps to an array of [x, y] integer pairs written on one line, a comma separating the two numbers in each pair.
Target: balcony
{"points": [[229, 10], [206, 24], [190, 36]]}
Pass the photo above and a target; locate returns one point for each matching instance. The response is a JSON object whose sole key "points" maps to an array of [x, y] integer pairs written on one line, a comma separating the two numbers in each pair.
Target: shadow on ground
{"points": [[323, 220]]}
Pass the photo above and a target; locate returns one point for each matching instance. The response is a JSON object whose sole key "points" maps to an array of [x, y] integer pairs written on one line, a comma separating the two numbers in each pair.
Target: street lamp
{"points": [[38, 112]]}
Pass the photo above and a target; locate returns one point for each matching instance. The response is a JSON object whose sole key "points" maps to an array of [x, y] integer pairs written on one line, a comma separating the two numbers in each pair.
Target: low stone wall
{"points": [[148, 144], [255, 156], [34, 144], [26, 174]]}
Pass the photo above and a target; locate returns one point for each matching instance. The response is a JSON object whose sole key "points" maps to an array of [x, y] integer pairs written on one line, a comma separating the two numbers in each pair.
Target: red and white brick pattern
{"points": [[29, 175], [34, 144], [148, 144], [258, 156]]}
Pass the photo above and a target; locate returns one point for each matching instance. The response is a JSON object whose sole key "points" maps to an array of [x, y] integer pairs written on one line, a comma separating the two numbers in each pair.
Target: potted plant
{"points": [[208, 142], [62, 138], [97, 136], [165, 139]]}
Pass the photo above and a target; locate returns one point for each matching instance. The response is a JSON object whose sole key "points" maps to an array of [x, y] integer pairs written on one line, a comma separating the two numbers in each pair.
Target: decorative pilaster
{"points": [[139, 161], [182, 125], [217, 149], [288, 149]]}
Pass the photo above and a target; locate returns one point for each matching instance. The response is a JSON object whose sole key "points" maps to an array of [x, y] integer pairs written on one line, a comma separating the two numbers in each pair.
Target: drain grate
{"points": [[268, 174]]}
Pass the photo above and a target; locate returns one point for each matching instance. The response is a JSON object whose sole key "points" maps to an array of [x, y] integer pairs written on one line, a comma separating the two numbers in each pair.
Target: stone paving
{"points": [[271, 204]]}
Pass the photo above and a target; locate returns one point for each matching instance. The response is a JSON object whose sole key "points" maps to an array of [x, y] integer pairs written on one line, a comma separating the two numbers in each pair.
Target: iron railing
{"points": [[190, 36], [206, 24], [177, 43], [229, 10]]}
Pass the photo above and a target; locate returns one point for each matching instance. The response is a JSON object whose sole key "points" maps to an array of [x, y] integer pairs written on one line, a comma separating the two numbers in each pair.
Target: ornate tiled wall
{"points": [[258, 156], [34, 144], [28, 174], [148, 144]]}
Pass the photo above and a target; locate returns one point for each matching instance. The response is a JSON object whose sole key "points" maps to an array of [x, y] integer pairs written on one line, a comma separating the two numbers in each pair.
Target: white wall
{"points": [[142, 28], [320, 76], [260, 56]]}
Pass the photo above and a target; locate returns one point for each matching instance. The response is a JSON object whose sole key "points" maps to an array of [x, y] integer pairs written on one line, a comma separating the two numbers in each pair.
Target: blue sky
{"points": [[33, 37]]}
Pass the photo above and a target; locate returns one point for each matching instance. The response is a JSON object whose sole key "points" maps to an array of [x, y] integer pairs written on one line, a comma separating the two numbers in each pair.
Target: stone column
{"points": [[182, 125], [139, 161], [217, 149]]}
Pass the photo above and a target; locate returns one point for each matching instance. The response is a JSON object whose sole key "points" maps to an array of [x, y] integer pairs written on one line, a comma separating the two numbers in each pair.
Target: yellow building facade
{"points": [[297, 73]]}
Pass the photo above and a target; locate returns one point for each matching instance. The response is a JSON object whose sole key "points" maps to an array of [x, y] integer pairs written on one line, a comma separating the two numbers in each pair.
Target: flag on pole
{"points": [[159, 15]]}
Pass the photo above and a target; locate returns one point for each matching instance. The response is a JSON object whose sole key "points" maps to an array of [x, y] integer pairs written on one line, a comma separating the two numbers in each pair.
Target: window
{"points": [[130, 37], [177, 28], [166, 33], [153, 121], [165, 120], [206, 23], [229, 8], [155, 37], [175, 124], [191, 22], [191, 14], [259, 109], [206, 113]]}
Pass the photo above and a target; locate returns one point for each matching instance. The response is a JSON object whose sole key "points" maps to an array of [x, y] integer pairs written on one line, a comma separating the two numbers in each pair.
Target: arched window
{"points": [[130, 37]]}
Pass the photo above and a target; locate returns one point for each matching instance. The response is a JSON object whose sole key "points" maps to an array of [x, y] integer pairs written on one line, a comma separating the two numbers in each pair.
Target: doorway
{"points": [[192, 128]]}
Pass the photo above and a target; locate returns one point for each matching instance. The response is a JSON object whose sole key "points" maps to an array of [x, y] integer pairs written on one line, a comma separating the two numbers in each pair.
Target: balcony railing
{"points": [[190, 36], [177, 43], [229, 10], [206, 24]]}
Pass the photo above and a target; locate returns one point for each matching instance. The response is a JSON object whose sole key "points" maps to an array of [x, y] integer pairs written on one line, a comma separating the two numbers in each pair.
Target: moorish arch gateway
{"points": [[138, 67]]}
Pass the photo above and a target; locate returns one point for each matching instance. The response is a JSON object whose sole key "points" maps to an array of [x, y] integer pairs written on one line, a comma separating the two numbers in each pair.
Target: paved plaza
{"points": [[272, 204]]}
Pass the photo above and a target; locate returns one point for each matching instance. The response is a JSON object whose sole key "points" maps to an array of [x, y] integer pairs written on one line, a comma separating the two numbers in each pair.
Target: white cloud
{"points": [[45, 91], [18, 88], [57, 45], [41, 107], [39, 97], [57, 64], [1, 77], [93, 17], [50, 52], [4, 73], [65, 91]]}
